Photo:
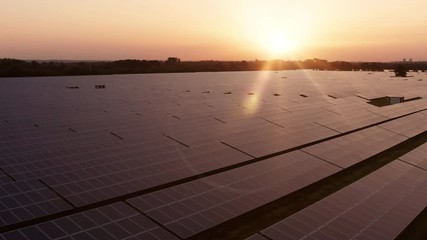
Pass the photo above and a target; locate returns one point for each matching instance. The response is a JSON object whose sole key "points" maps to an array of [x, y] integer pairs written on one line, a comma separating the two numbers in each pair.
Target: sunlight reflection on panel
{"points": [[252, 100]]}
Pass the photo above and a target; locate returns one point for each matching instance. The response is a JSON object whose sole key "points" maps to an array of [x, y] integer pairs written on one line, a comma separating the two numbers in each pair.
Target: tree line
{"points": [[21, 68]]}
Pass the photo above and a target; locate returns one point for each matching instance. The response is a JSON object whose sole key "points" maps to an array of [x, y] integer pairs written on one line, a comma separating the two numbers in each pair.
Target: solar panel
{"points": [[401, 109], [263, 141], [378, 206], [114, 221], [119, 176], [417, 157], [355, 147], [408, 126], [26, 200], [256, 237], [198, 205], [348, 122]]}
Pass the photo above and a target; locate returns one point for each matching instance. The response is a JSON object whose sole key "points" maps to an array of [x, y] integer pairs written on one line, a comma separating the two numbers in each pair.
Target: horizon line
{"points": [[409, 60]]}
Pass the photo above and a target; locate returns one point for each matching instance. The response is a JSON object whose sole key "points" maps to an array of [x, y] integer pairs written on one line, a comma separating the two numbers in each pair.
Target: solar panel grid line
{"points": [[176, 140], [57, 194], [237, 149], [332, 111], [271, 122], [327, 127], [414, 165], [322, 159], [5, 177], [152, 219]]}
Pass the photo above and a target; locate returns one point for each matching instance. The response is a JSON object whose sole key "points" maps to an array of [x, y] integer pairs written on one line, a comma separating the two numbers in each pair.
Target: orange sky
{"points": [[364, 30]]}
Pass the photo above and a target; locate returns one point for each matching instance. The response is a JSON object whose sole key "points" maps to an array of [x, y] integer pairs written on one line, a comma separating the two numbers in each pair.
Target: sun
{"points": [[278, 44]]}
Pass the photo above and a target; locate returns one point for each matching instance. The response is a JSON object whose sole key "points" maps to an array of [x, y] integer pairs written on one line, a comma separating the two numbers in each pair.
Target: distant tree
{"points": [[15, 71], [341, 66], [400, 71], [34, 64], [173, 60], [375, 66]]}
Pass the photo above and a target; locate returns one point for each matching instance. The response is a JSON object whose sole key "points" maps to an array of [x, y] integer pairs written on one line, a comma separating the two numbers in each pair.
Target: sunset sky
{"points": [[354, 30]]}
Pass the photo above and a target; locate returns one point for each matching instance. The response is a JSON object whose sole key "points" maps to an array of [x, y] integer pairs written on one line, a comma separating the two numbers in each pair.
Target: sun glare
{"points": [[279, 44]]}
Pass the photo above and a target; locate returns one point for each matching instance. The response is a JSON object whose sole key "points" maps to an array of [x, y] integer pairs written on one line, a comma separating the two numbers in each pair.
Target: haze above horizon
{"points": [[219, 30]]}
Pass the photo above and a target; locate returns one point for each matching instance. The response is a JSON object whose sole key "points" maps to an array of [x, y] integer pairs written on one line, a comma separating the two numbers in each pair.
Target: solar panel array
{"points": [[167, 156]]}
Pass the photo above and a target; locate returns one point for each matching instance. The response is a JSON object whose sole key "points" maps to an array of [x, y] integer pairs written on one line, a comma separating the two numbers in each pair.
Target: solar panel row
{"points": [[378, 206], [260, 142], [192, 207], [409, 126], [355, 147], [398, 109], [115, 221]]}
